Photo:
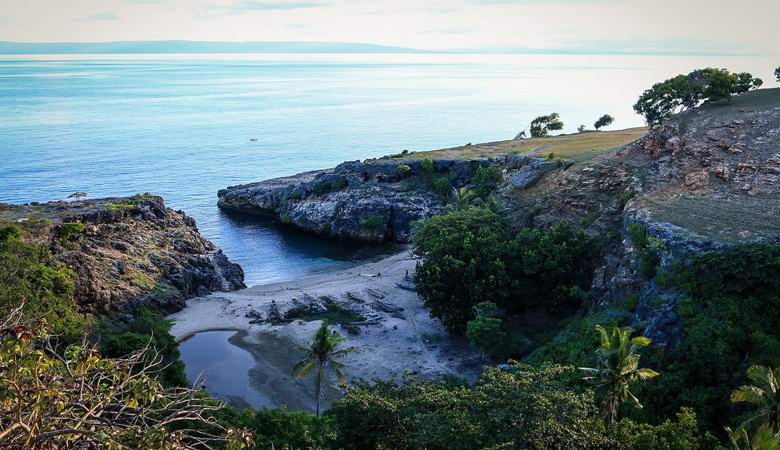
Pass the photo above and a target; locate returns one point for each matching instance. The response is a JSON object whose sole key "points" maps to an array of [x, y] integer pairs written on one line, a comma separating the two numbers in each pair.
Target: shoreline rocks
{"points": [[128, 252]]}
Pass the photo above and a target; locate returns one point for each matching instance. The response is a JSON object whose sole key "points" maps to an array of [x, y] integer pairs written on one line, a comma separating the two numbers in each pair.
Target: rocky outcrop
{"points": [[128, 252], [373, 201]]}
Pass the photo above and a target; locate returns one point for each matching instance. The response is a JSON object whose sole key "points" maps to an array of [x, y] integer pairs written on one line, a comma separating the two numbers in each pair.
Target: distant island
{"points": [[160, 47]]}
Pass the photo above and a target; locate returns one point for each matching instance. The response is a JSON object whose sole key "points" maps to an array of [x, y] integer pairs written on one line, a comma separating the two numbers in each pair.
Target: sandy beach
{"points": [[397, 334]]}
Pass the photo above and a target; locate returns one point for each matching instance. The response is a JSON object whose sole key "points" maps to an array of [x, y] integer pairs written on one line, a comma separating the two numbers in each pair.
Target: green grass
{"points": [[577, 147]]}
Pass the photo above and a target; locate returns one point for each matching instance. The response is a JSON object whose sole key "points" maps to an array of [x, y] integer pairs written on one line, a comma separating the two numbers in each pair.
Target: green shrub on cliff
{"points": [[486, 179], [731, 321], [374, 222], [70, 230], [29, 276]]}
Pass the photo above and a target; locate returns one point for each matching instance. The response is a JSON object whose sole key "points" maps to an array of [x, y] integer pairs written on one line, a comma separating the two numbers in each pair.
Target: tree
{"points": [[763, 439], [485, 331], [777, 74], [542, 125], [581, 129], [604, 121], [764, 393], [323, 354], [684, 92], [617, 366]]}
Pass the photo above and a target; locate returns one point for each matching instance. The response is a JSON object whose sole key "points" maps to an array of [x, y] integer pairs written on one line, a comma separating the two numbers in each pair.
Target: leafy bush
{"points": [[688, 91], [281, 428], [148, 328], [486, 331], [486, 179], [403, 170], [70, 230], [682, 434], [647, 247], [526, 407], [374, 222], [322, 188], [427, 167], [604, 121], [542, 125], [340, 183], [295, 195], [469, 257], [442, 187]]}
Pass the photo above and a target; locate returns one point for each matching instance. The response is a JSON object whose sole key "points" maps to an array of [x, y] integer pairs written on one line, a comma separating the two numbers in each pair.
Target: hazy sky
{"points": [[716, 26]]}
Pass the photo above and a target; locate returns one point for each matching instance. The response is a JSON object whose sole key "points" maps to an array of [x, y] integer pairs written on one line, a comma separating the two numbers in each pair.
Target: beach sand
{"points": [[398, 336]]}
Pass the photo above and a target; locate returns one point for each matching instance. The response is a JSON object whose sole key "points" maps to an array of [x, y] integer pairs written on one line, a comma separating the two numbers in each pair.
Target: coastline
{"points": [[400, 336]]}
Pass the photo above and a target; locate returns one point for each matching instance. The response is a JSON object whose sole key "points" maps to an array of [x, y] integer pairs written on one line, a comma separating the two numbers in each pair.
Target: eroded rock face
{"points": [[132, 252], [373, 201]]}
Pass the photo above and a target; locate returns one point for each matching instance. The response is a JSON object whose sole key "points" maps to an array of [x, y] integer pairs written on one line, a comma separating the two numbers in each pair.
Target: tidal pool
{"points": [[251, 369], [225, 367]]}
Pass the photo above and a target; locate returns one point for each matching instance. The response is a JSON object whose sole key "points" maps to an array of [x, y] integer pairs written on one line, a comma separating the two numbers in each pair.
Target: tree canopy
{"points": [[542, 125], [684, 92], [604, 121]]}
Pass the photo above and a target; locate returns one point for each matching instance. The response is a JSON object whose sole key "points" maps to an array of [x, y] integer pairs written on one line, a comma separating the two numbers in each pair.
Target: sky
{"points": [[643, 26]]}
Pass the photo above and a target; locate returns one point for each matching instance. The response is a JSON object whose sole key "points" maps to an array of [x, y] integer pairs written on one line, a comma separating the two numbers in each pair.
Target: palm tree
{"points": [[763, 439], [617, 360], [322, 354], [764, 393]]}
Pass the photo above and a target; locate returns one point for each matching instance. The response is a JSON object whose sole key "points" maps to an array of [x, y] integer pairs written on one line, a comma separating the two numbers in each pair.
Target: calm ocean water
{"points": [[185, 126]]}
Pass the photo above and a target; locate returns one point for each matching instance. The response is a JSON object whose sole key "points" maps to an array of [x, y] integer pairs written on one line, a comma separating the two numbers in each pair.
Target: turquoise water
{"points": [[186, 126]]}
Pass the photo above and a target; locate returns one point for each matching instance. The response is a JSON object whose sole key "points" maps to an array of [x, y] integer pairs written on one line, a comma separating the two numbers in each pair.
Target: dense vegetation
{"points": [[470, 256], [684, 92]]}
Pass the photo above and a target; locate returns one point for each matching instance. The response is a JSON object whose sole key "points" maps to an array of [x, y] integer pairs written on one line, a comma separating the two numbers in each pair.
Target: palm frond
{"points": [[304, 367]]}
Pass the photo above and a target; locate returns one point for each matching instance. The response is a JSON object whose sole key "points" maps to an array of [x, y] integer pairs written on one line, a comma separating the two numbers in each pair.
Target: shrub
{"points": [[295, 195], [777, 74], [322, 188], [340, 183], [70, 230], [374, 222], [682, 434], [485, 180], [524, 407], [604, 121], [442, 187], [581, 129], [683, 92], [542, 125], [9, 233], [148, 328], [427, 167], [403, 170], [485, 331]]}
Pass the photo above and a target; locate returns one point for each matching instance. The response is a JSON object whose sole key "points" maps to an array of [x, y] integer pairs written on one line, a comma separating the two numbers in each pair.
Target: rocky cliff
{"points": [[370, 201], [128, 252]]}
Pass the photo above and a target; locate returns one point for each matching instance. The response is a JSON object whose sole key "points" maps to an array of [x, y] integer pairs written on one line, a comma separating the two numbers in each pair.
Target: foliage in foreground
{"points": [[469, 256], [526, 407], [78, 399], [684, 92]]}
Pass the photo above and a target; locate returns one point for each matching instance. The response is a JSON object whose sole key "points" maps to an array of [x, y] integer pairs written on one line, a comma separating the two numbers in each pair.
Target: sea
{"points": [[184, 126]]}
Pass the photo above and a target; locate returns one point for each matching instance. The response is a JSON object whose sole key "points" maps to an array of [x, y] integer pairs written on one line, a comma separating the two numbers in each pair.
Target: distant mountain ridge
{"points": [[129, 47]]}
